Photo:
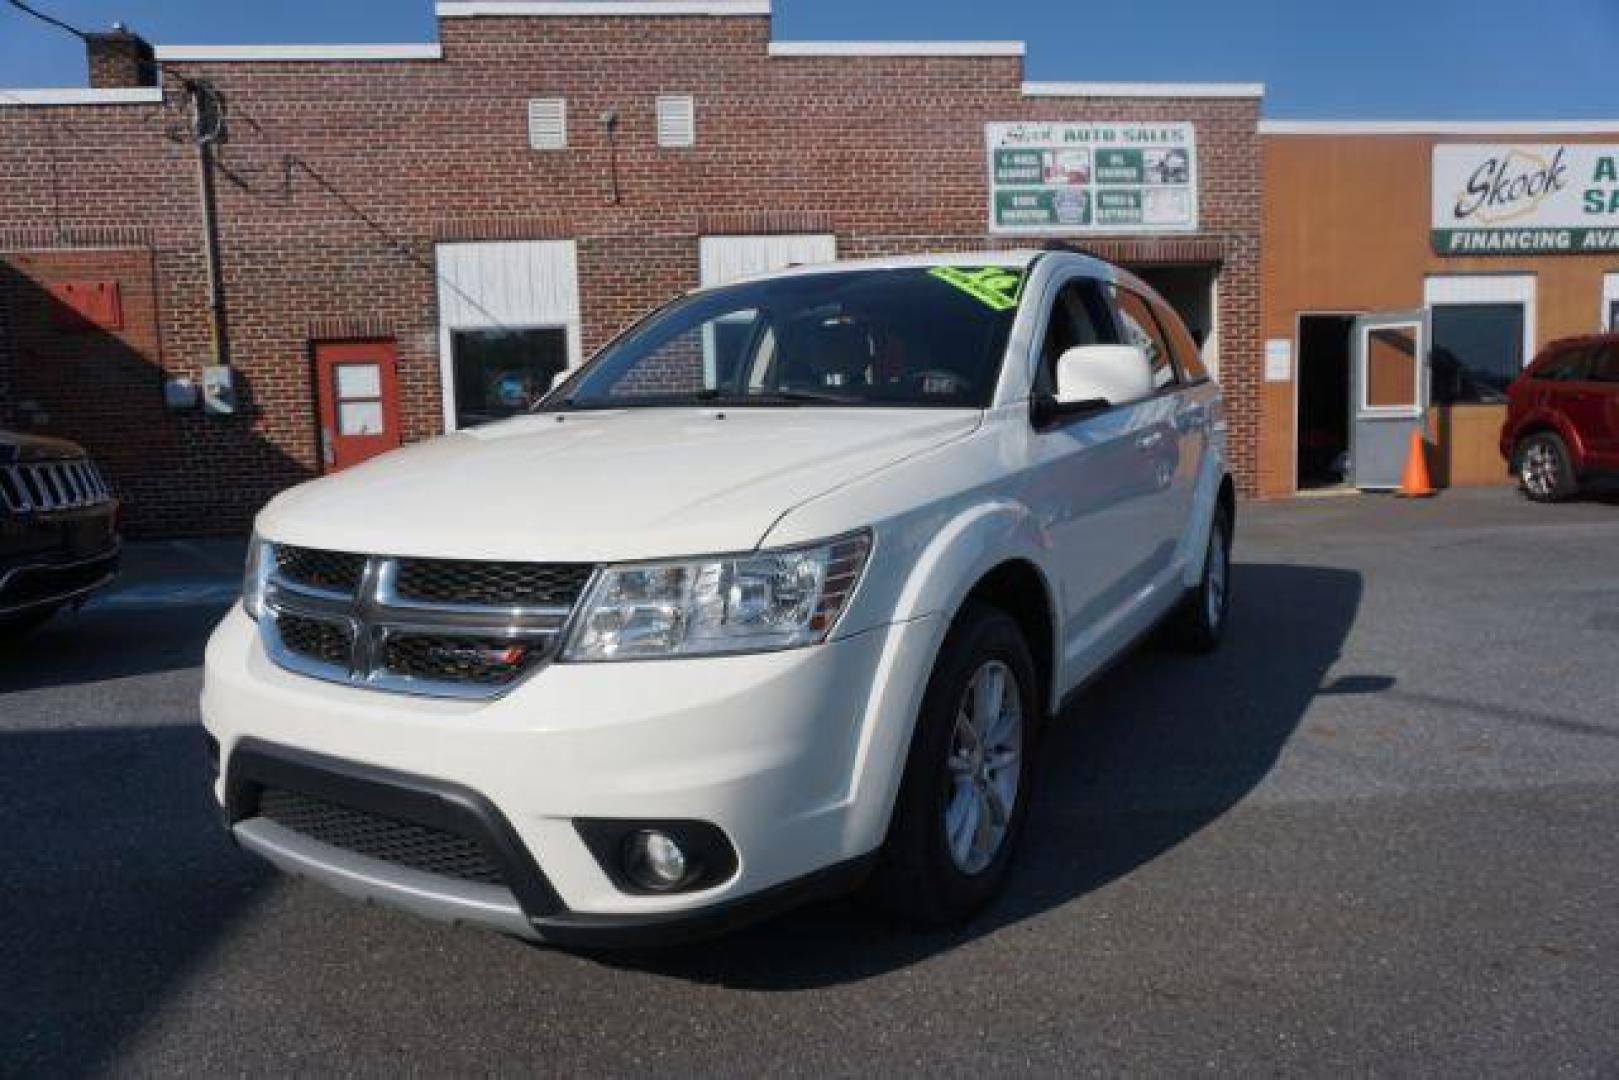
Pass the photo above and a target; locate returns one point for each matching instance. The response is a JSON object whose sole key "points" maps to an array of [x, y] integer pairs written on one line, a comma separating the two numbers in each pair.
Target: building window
{"points": [[677, 122], [500, 373], [548, 123], [1477, 352]]}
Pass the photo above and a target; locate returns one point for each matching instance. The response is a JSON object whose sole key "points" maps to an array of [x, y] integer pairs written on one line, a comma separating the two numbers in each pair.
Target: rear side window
{"points": [[1605, 364], [1566, 366], [1140, 327]]}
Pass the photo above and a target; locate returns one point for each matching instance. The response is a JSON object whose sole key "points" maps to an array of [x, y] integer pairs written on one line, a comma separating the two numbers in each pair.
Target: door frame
{"points": [[1298, 366]]}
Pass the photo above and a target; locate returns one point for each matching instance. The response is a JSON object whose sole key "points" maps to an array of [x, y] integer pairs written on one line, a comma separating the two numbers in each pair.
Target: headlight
{"points": [[759, 602], [256, 577]]}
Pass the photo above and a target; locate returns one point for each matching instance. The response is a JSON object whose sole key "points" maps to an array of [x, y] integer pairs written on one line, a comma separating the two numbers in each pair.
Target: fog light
{"points": [[654, 861]]}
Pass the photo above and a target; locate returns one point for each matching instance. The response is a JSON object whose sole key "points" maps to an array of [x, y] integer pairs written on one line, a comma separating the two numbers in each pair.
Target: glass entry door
{"points": [[1389, 394]]}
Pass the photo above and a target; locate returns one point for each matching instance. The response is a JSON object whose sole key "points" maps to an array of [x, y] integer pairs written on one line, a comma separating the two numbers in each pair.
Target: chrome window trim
{"points": [[375, 612]]}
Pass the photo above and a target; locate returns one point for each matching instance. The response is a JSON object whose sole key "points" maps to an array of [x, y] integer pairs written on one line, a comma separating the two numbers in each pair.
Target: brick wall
{"points": [[340, 177]]}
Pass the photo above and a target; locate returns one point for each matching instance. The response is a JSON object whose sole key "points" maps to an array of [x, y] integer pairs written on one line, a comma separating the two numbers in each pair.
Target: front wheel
{"points": [[965, 792], [1545, 469]]}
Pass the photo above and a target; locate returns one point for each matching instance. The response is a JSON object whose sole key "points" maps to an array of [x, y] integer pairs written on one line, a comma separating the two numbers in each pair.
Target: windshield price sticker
{"points": [[1061, 179], [994, 286]]}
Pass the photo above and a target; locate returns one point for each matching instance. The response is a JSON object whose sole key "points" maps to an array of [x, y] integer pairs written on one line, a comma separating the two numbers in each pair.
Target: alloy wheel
{"points": [[986, 752]]}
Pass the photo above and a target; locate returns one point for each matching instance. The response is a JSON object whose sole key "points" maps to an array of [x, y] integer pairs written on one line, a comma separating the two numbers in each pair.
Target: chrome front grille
{"points": [[347, 618], [52, 485]]}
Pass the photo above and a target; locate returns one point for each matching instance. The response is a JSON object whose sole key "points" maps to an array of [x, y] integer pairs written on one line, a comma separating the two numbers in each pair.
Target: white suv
{"points": [[771, 598]]}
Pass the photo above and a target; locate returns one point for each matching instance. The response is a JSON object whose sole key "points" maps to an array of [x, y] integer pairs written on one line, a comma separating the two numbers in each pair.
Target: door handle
{"points": [[1149, 440]]}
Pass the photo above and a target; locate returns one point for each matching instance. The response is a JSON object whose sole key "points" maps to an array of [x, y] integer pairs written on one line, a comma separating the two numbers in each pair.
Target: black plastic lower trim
{"points": [[577, 930], [436, 804]]}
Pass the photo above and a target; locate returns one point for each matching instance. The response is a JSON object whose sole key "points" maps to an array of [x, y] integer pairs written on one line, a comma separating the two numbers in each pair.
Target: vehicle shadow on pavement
{"points": [[1152, 753], [115, 882], [97, 645]]}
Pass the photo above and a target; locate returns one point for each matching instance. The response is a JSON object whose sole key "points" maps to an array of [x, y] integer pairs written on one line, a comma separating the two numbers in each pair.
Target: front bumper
{"points": [[794, 756]]}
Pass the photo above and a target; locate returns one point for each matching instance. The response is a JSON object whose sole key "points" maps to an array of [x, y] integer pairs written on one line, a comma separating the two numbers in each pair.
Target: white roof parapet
{"points": [[1439, 127], [471, 9], [1144, 89], [272, 53], [897, 48], [136, 95]]}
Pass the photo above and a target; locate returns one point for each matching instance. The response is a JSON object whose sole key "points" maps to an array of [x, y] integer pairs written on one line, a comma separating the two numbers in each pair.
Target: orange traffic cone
{"points": [[1414, 483]]}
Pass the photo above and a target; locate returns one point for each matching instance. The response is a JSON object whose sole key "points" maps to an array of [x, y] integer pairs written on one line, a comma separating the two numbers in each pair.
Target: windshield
{"points": [[915, 337]]}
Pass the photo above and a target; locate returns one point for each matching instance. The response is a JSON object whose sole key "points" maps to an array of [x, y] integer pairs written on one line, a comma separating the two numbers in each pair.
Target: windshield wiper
{"points": [[795, 395]]}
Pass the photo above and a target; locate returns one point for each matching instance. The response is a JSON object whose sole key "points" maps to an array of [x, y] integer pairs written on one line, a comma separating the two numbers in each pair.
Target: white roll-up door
{"points": [[729, 258], [527, 290]]}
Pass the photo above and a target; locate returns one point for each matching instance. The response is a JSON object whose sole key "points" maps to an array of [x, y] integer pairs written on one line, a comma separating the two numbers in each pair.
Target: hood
{"points": [[15, 446], [604, 486]]}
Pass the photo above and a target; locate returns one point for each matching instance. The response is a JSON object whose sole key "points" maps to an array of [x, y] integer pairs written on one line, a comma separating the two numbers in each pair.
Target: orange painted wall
{"points": [[1345, 229]]}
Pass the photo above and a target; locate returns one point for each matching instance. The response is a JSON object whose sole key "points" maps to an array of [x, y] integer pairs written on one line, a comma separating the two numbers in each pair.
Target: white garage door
{"points": [[508, 325], [729, 258]]}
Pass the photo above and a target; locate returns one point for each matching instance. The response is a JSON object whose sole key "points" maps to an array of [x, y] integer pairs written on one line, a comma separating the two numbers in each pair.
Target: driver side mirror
{"points": [[1094, 377]]}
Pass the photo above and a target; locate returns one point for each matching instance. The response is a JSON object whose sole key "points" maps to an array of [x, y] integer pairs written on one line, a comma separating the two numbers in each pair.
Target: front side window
{"points": [[1477, 352], [911, 337], [1141, 329], [1079, 316]]}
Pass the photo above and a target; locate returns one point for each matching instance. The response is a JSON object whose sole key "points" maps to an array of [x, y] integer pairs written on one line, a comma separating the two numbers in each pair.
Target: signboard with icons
{"points": [[1544, 199], [1060, 179]]}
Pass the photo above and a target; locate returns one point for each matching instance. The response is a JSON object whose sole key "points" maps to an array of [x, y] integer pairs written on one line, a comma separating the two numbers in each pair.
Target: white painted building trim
{"points": [[226, 54], [139, 95], [1439, 127], [472, 9], [1486, 289], [1144, 89], [897, 48]]}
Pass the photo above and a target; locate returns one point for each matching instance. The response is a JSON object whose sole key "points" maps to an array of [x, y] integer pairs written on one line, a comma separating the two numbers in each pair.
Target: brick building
{"points": [[534, 181]]}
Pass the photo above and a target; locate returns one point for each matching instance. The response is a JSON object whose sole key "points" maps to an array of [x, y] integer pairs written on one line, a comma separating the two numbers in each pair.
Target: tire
{"points": [[1545, 468], [1199, 625], [923, 875], [15, 626]]}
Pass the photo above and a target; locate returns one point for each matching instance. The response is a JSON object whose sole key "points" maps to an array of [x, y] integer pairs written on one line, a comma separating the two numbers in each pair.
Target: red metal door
{"points": [[357, 390]]}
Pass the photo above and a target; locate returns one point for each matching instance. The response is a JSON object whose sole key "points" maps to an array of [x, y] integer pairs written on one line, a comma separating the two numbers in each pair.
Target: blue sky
{"points": [[1371, 59]]}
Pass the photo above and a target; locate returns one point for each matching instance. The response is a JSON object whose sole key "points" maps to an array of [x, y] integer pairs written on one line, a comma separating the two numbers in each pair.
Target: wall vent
{"points": [[677, 122], [548, 123]]}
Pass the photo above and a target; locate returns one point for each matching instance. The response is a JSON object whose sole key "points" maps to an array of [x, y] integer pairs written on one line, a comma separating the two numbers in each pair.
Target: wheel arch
{"points": [[1017, 587]]}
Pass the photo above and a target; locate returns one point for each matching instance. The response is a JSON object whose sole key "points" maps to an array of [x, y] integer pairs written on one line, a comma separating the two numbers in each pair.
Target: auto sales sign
{"points": [[1511, 200]]}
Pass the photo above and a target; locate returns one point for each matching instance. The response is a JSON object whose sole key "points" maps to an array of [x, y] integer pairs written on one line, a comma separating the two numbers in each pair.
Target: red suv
{"points": [[1562, 426]]}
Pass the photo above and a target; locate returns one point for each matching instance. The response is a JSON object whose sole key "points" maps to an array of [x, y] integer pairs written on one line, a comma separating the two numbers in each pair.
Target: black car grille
{"points": [[402, 843], [496, 584], [486, 661], [315, 639], [336, 571]]}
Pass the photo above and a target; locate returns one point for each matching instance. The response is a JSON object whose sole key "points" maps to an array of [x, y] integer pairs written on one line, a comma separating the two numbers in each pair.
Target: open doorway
{"points": [[1323, 401], [1193, 292]]}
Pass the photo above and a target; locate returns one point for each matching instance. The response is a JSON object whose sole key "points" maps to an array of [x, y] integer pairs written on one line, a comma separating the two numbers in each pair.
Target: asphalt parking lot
{"points": [[1375, 834]]}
